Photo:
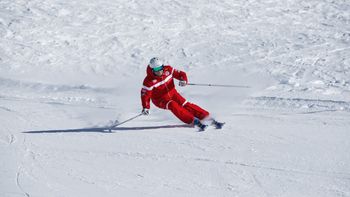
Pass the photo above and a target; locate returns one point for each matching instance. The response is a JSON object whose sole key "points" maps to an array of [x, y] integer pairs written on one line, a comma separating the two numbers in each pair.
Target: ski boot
{"points": [[200, 125], [217, 125]]}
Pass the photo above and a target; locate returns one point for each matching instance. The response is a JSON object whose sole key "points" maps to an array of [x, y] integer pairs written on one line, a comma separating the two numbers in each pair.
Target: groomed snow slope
{"points": [[68, 68]]}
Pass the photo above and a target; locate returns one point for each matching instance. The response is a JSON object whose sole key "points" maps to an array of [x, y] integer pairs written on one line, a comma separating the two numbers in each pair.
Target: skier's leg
{"points": [[197, 111], [185, 115], [202, 114], [180, 112], [179, 99], [194, 109]]}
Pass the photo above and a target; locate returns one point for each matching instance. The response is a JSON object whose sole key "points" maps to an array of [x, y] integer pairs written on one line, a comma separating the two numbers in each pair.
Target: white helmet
{"points": [[155, 62]]}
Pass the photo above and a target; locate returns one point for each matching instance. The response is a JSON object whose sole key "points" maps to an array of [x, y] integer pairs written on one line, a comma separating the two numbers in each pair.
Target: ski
{"points": [[202, 127], [218, 125]]}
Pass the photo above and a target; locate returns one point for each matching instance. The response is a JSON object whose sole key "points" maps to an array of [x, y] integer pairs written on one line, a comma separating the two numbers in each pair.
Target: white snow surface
{"points": [[69, 68]]}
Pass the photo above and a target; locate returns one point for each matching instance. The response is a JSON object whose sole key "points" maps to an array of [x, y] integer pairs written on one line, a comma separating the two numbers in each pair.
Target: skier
{"points": [[159, 86]]}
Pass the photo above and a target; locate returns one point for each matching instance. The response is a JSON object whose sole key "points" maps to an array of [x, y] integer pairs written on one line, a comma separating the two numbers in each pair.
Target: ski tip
{"points": [[219, 125]]}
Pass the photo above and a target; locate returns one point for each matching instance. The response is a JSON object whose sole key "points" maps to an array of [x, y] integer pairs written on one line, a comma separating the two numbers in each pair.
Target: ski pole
{"points": [[120, 123], [218, 85]]}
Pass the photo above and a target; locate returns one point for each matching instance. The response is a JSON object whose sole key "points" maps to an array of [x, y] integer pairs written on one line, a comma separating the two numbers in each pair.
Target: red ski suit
{"points": [[161, 90]]}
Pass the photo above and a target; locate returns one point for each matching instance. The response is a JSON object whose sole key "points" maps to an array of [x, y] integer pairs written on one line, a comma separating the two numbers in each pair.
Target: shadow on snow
{"points": [[106, 129]]}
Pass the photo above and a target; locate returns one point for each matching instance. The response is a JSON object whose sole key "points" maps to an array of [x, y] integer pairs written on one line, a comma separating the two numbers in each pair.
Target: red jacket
{"points": [[160, 88]]}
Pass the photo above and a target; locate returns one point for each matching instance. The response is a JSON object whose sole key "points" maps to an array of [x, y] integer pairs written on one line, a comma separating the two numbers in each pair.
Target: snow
{"points": [[70, 68]]}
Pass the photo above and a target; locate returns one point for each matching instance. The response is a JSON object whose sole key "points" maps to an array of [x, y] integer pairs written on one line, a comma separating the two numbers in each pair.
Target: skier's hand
{"points": [[182, 83], [145, 111]]}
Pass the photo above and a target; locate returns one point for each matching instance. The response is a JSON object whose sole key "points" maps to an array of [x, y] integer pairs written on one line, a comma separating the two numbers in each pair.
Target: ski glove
{"points": [[145, 111], [182, 83]]}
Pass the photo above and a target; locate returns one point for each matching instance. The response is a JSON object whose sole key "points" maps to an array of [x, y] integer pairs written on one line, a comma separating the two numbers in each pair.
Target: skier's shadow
{"points": [[106, 129]]}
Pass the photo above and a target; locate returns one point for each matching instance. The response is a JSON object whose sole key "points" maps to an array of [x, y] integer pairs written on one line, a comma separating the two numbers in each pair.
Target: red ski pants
{"points": [[182, 109]]}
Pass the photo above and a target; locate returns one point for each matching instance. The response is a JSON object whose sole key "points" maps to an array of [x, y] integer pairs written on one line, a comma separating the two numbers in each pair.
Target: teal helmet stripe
{"points": [[157, 69]]}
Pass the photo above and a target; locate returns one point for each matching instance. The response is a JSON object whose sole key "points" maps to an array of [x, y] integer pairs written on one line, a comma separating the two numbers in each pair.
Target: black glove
{"points": [[145, 111]]}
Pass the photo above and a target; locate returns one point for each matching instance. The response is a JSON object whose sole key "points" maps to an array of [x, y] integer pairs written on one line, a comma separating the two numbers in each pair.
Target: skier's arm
{"points": [[146, 94], [180, 75]]}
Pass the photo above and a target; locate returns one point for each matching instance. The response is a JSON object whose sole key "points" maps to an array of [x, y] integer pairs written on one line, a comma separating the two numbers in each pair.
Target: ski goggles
{"points": [[157, 69]]}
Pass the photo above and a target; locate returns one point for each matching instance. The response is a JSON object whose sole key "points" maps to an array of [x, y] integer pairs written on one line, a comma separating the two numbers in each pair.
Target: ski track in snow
{"points": [[138, 155], [18, 174], [8, 139], [80, 64], [312, 105]]}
